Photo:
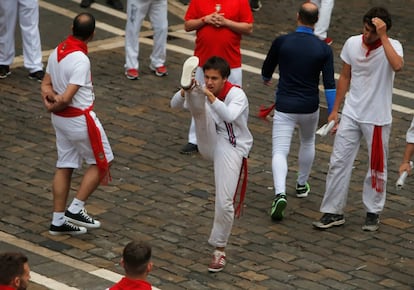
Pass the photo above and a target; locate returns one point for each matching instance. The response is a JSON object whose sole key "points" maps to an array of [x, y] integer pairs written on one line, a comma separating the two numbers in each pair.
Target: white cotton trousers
{"points": [[27, 11], [227, 165], [136, 12], [283, 126], [235, 78], [325, 12], [345, 149]]}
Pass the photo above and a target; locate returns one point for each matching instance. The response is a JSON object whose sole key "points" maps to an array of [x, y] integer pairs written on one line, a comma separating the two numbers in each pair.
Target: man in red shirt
{"points": [[14, 271], [219, 26], [136, 261]]}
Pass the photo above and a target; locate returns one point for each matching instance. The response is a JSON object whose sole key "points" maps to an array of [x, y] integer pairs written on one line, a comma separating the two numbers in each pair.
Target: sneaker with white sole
{"points": [[66, 229], [132, 74], [218, 263], [82, 218], [329, 220], [159, 71], [371, 222], [188, 73], [277, 211], [302, 190]]}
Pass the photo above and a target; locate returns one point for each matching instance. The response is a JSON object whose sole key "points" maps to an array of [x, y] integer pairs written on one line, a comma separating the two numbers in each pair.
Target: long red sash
{"points": [[377, 160], [241, 189], [95, 139]]}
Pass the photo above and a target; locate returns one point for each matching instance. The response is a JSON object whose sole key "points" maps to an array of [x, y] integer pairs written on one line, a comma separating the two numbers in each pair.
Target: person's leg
{"points": [[29, 25], [345, 149], [307, 128], [136, 12], [236, 76], [8, 17], [60, 188], [159, 22], [325, 12]]}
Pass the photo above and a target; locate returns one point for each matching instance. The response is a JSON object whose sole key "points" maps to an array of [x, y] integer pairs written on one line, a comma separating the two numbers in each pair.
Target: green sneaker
{"points": [[302, 190], [277, 211]]}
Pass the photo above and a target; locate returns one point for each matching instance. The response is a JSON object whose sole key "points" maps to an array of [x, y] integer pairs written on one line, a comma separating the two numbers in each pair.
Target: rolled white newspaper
{"points": [[325, 129], [401, 180]]}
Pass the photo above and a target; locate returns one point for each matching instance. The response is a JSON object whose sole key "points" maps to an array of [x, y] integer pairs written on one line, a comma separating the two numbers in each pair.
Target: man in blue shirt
{"points": [[301, 57]]}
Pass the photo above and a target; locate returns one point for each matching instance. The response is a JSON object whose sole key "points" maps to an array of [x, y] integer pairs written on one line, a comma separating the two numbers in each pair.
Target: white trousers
{"points": [[235, 77], [325, 12], [227, 165], [28, 13], [346, 146], [283, 127], [136, 12]]}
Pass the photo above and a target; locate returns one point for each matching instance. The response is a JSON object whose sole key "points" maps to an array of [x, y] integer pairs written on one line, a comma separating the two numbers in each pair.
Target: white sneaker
{"points": [[188, 73]]}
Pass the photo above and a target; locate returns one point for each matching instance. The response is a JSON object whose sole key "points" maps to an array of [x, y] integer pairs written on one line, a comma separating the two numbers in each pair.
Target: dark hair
{"points": [[308, 13], [11, 266], [136, 256], [83, 26], [218, 63], [379, 12]]}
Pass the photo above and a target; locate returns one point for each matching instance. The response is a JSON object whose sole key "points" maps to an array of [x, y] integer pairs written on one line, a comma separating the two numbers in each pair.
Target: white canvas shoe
{"points": [[188, 73]]}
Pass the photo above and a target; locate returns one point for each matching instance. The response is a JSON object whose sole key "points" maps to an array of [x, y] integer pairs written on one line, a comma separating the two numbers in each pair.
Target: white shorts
{"points": [[73, 144]]}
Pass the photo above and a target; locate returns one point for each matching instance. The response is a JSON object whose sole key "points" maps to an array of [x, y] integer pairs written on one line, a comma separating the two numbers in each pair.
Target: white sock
{"points": [[76, 206], [58, 219]]}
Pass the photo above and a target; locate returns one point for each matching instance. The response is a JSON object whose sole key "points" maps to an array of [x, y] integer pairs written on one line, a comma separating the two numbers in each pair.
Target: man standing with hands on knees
{"points": [[67, 93], [370, 61], [220, 111]]}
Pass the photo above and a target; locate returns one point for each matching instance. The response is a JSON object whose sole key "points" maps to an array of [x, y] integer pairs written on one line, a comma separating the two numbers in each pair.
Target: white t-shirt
{"points": [[74, 69], [369, 99]]}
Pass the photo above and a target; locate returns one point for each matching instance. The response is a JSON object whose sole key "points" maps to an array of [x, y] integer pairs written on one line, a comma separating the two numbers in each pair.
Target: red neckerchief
{"points": [[95, 139], [225, 90], [69, 45], [130, 284], [371, 46], [377, 160], [5, 287]]}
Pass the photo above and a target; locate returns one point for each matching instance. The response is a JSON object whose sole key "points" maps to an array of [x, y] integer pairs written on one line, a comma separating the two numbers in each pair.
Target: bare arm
{"points": [[395, 60], [405, 164], [52, 101]]}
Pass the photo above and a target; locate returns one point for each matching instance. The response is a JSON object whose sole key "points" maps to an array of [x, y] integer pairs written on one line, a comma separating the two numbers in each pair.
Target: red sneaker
{"points": [[218, 262], [132, 74], [328, 40], [159, 71]]}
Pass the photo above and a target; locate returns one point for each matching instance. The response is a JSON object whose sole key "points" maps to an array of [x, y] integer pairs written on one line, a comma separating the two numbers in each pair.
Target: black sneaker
{"points": [[82, 218], [115, 4], [302, 190], [189, 148], [277, 212], [38, 75], [86, 3], [371, 222], [66, 229], [4, 71], [255, 5], [329, 220]]}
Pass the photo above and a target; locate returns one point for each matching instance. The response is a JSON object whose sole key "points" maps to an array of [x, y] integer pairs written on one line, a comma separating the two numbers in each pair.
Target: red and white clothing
{"points": [[28, 13], [225, 139], [130, 284], [72, 139], [368, 104]]}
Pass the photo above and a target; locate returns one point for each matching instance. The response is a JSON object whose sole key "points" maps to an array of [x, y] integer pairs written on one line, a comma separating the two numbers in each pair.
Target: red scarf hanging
{"points": [[264, 111], [371, 46], [69, 45], [95, 139], [377, 160], [240, 189]]}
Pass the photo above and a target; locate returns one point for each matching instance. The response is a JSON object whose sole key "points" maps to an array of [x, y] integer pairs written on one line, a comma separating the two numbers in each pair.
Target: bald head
{"points": [[83, 26], [308, 14]]}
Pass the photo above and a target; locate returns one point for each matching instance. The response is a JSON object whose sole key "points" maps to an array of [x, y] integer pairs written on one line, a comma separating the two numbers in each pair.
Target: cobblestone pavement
{"points": [[167, 198]]}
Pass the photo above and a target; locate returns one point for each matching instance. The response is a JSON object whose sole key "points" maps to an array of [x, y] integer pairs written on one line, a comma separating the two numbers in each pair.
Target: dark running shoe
{"points": [[277, 212], [37, 76], [4, 71], [115, 4], [371, 222], [66, 229], [189, 148], [302, 190], [83, 219], [329, 220], [86, 3], [255, 5]]}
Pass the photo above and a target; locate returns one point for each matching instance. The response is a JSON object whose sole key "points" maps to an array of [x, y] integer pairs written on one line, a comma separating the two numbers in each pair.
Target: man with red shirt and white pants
{"points": [[219, 26], [67, 93]]}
